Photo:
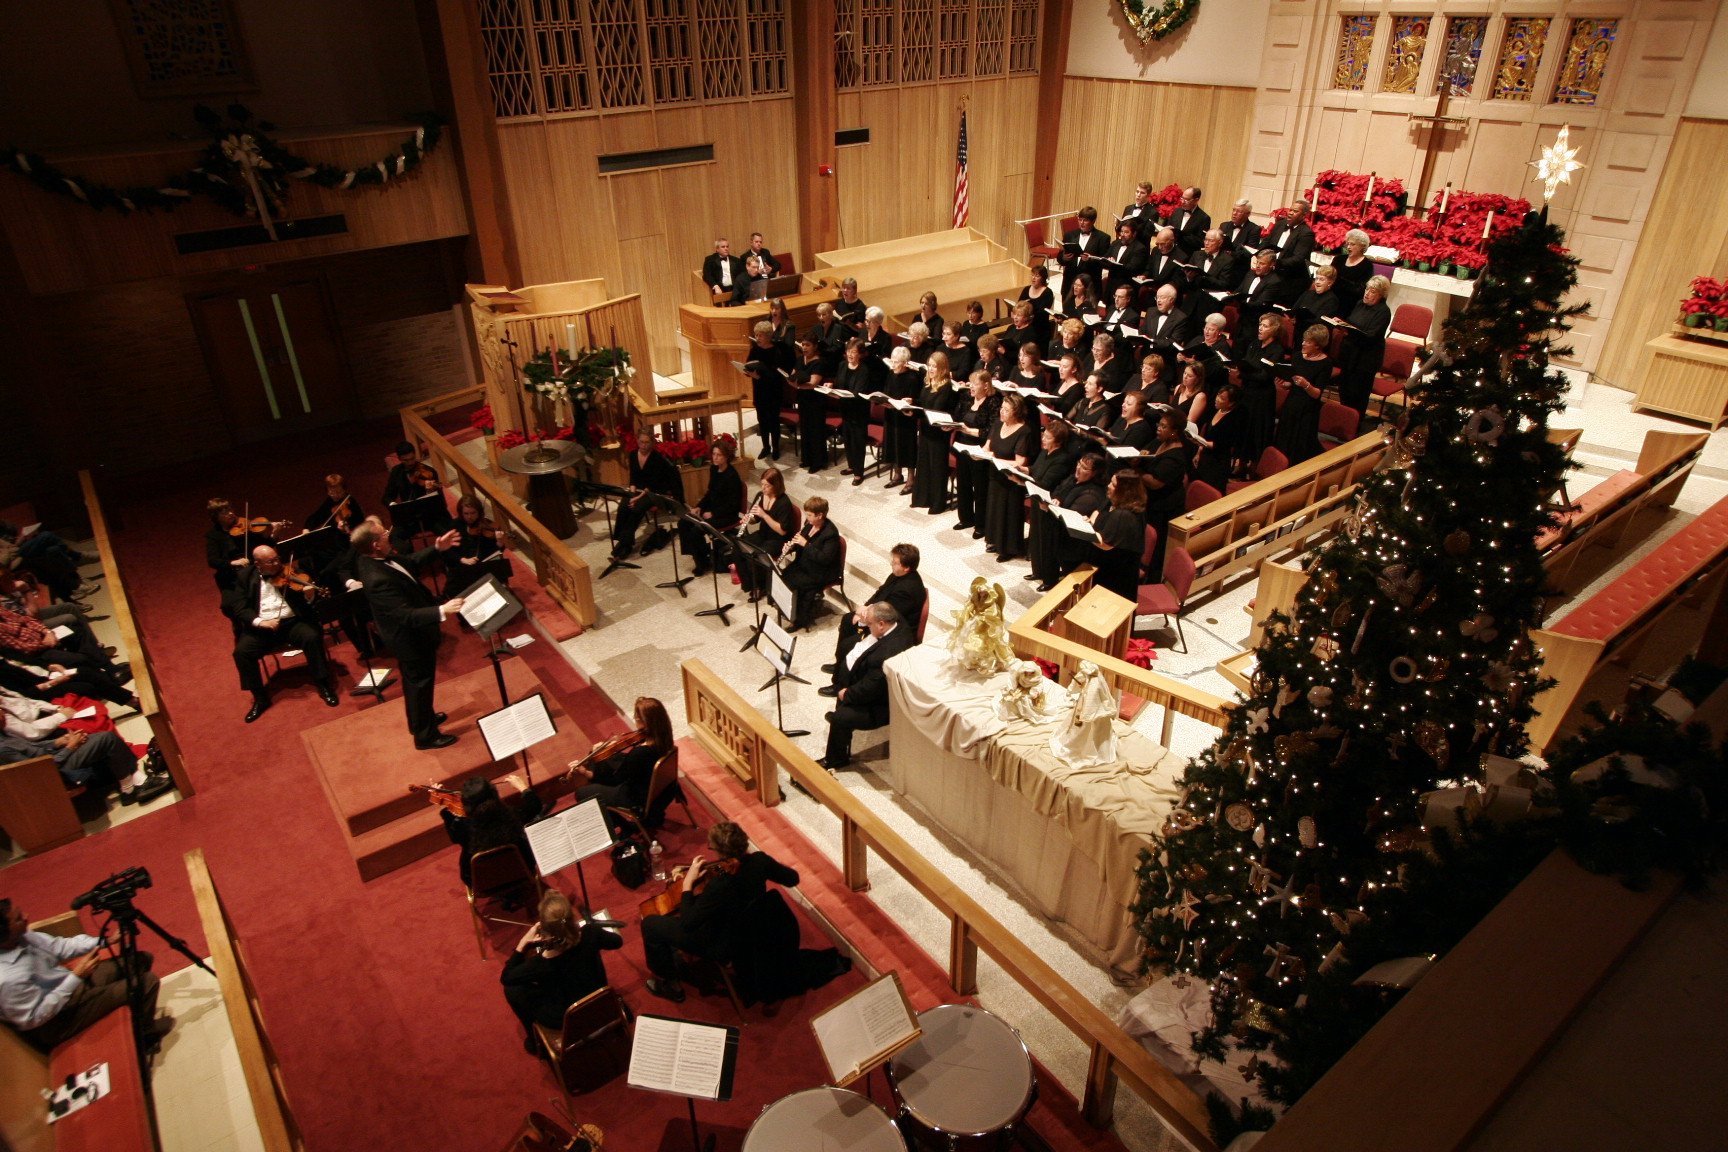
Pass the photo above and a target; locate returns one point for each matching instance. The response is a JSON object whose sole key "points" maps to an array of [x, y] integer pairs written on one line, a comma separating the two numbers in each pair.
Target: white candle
{"points": [[1445, 198], [570, 336], [1488, 225], [1369, 195]]}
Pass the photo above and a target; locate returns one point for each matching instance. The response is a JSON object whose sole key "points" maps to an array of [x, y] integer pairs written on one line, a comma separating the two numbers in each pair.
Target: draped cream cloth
{"points": [[1066, 838]]}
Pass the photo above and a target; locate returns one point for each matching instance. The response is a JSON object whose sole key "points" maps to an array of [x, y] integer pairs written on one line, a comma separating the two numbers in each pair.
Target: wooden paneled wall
{"points": [[1688, 237], [902, 182], [644, 231], [1116, 133]]}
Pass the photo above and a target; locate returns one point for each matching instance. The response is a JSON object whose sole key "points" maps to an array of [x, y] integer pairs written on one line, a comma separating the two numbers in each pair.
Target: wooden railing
{"points": [[153, 707], [1285, 512], [277, 1130], [1032, 638], [740, 737], [561, 571]]}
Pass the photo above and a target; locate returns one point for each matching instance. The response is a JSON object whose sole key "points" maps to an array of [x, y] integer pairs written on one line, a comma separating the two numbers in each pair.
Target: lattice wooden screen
{"points": [[878, 43]]}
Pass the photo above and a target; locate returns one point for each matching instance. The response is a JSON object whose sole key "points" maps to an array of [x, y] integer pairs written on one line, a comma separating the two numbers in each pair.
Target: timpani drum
{"points": [[965, 1083], [825, 1119]]}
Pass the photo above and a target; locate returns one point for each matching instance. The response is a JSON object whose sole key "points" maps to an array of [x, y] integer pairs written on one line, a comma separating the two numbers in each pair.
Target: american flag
{"points": [[962, 193]]}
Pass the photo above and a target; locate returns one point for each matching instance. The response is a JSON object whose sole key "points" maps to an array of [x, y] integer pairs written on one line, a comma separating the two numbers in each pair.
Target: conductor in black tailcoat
{"points": [[409, 617]]}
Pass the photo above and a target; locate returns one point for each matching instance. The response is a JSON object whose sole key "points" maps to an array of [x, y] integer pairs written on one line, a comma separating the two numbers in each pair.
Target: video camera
{"points": [[116, 892]]}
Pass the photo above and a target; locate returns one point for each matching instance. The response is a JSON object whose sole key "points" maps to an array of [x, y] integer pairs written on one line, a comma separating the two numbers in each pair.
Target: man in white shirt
{"points": [[863, 691], [49, 1003], [723, 273], [270, 615]]}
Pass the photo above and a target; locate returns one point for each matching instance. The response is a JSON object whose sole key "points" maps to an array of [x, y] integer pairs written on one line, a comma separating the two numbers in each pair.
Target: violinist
{"points": [[711, 918], [490, 821], [622, 774], [479, 550], [229, 542], [271, 609], [339, 511], [556, 963], [411, 479]]}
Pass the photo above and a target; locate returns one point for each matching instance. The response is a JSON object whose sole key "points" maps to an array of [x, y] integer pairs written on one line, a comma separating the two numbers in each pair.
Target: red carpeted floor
{"points": [[391, 1029]]}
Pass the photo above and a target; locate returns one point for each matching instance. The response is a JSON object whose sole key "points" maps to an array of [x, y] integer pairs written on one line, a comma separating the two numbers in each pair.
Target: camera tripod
{"points": [[126, 917]]}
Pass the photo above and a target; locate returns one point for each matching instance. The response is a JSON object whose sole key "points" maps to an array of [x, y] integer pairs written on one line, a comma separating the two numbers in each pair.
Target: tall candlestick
{"points": [[1369, 195], [1488, 225], [1445, 197]]}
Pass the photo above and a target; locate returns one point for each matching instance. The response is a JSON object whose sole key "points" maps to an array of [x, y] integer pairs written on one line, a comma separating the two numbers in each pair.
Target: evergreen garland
{"points": [[237, 142], [1156, 21]]}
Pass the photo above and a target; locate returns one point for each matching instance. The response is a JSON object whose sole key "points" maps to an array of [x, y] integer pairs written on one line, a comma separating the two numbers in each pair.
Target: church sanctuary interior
{"points": [[879, 575]]}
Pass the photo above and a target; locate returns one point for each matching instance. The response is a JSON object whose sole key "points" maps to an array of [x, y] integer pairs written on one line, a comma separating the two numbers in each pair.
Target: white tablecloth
{"points": [[1068, 839]]}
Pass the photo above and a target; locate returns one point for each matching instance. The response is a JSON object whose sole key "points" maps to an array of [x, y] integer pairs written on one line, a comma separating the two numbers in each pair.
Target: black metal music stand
{"points": [[714, 537], [757, 558], [780, 659], [679, 512]]}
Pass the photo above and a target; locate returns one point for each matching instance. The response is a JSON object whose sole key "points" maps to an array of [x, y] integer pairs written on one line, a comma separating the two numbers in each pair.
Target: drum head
{"points": [[969, 1073], [823, 1118]]}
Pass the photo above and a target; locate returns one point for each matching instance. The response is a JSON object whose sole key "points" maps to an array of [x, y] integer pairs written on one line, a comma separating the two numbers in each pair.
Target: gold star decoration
{"points": [[1557, 164]]}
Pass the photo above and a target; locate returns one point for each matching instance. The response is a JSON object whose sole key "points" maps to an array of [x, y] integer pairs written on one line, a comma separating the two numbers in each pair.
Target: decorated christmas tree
{"points": [[1406, 663]]}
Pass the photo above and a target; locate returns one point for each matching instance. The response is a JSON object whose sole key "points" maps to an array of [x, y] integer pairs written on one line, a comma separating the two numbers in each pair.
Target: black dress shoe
{"points": [[260, 704], [831, 668], [438, 719], [1030, 576], [148, 791], [832, 764], [857, 480], [666, 989], [828, 690], [442, 740], [327, 694]]}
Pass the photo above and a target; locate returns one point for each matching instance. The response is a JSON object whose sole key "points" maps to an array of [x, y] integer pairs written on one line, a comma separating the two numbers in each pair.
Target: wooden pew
{"points": [[1286, 511], [119, 1122], [36, 810], [900, 246], [873, 274], [277, 1129], [1665, 606]]}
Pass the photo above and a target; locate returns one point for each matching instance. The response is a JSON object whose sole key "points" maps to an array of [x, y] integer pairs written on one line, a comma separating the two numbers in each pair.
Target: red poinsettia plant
{"points": [[1709, 300], [482, 420], [1140, 652], [1166, 200], [692, 449]]}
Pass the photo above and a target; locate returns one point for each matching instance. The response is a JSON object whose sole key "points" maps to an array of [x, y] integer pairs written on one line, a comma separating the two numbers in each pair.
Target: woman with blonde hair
{"points": [[556, 963]]}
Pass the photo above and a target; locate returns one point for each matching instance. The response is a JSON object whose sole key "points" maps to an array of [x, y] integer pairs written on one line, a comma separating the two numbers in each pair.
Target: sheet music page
{"points": [[654, 1055], [701, 1060], [549, 840], [586, 828], [482, 605], [780, 594], [862, 1027], [521, 725], [777, 635], [1033, 488]]}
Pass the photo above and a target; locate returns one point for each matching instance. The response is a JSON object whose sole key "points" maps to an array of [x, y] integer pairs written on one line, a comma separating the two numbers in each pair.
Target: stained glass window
{"points": [[1587, 48], [1520, 56], [1463, 53], [1404, 57], [1355, 42]]}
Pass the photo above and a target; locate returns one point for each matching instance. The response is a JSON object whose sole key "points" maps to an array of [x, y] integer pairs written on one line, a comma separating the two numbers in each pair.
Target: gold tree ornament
{"points": [[1559, 160]]}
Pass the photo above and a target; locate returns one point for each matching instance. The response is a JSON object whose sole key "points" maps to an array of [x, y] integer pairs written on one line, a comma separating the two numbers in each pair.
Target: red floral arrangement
{"points": [[694, 450], [511, 438], [1140, 653], [1341, 201], [1466, 216], [1167, 199], [1708, 302], [482, 420], [1048, 667]]}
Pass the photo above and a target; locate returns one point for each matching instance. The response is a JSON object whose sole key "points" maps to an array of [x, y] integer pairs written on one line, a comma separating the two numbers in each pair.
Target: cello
{"points": [[666, 903]]}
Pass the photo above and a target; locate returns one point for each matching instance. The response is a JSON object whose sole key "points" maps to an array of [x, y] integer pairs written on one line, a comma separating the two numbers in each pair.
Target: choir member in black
{"points": [[1082, 493], [1319, 299], [1069, 385], [1240, 233], [1213, 343], [479, 550], [928, 316], [1260, 363], [785, 332], [720, 508], [1262, 286], [1155, 374], [1142, 213], [1215, 267], [1071, 337], [1298, 431], [812, 560], [808, 374], [1190, 398], [1122, 310], [489, 821], [1190, 220], [854, 376], [411, 479], [1293, 240], [768, 523], [556, 963], [900, 429], [994, 358], [977, 416], [1029, 372], [904, 589], [1353, 269], [930, 478], [1224, 451], [1042, 297], [1364, 345], [1094, 410], [920, 342], [767, 363], [961, 355], [1166, 475], [1128, 252], [1132, 429], [650, 473], [710, 920], [877, 344], [1109, 365], [1121, 536], [1083, 297], [228, 554], [621, 780], [1013, 439], [1165, 325], [1053, 466], [1165, 264], [1088, 244], [849, 309], [1020, 330], [759, 250], [830, 336], [974, 328]]}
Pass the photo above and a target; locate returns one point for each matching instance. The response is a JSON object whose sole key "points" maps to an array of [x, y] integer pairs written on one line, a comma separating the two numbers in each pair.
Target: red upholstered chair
{"points": [[1396, 365], [1198, 495], [1146, 552], [593, 1046], [496, 873], [1231, 315], [873, 433], [1271, 462], [1414, 321], [788, 265], [1338, 423], [1036, 247], [923, 617], [1166, 597]]}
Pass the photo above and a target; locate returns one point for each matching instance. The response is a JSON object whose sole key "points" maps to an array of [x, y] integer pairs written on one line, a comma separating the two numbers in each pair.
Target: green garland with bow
{"points": [[1156, 21], [243, 169]]}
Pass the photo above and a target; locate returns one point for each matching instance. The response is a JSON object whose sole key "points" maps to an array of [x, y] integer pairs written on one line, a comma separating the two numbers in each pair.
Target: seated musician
{"points": [[811, 559], [338, 512], [555, 964], [54, 987], [271, 614], [228, 543], [710, 919], [488, 821], [479, 551], [412, 479], [863, 685], [620, 779], [768, 524], [650, 472], [720, 506], [904, 589]]}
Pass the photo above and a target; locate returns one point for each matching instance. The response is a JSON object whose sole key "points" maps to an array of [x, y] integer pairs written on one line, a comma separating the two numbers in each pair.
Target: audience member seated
{"points": [[488, 821], [48, 558], [763, 256], [711, 919], [556, 963], [650, 474], [25, 638], [47, 681], [724, 274], [54, 987], [621, 780], [812, 559], [904, 589], [861, 684], [37, 728], [270, 614]]}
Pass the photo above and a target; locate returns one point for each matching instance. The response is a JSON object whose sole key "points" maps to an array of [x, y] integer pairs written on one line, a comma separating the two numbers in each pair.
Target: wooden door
{"points": [[276, 359]]}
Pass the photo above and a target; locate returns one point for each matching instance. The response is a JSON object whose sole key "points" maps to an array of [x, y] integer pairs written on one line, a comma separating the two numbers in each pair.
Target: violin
{"points": [[608, 747], [338, 516], [666, 903], [424, 475], [292, 578], [439, 796], [255, 526]]}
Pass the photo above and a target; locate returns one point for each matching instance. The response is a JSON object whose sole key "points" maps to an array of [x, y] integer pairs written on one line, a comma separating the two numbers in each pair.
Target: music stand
{"points": [[780, 659], [515, 728], [487, 607], [680, 512], [684, 1058], [411, 513], [596, 488], [782, 640], [748, 553], [714, 536]]}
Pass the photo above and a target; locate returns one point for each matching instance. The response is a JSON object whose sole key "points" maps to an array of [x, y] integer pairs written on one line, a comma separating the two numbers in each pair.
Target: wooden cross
{"points": [[1438, 124]]}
